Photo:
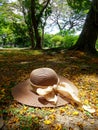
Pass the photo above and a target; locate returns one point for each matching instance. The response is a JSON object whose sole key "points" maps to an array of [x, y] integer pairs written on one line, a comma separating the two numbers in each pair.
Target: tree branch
{"points": [[41, 12]]}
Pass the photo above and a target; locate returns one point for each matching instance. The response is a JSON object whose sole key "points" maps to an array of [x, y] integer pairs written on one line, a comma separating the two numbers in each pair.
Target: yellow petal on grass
{"points": [[62, 110], [80, 109], [76, 113], [33, 115], [52, 117], [68, 113], [22, 112], [47, 122], [86, 102], [13, 120], [58, 127], [70, 128], [66, 107], [25, 107], [52, 110], [3, 90], [92, 122]]}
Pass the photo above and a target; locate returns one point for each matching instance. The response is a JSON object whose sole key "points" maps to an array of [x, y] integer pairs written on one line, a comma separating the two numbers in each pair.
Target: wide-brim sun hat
{"points": [[45, 88]]}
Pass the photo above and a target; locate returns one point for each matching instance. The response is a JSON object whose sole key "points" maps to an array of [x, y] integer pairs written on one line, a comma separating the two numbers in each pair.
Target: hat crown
{"points": [[43, 77]]}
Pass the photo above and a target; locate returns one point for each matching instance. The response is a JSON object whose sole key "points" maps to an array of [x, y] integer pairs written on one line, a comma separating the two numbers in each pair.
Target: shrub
{"points": [[47, 40], [69, 40], [51, 41], [57, 41]]}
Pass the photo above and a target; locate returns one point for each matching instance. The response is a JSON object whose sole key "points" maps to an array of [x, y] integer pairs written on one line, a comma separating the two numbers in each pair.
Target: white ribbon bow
{"points": [[50, 94]]}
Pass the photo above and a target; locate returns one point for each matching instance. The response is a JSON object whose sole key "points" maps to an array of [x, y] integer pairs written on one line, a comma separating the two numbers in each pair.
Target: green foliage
{"points": [[69, 40], [47, 40], [66, 32], [57, 40], [13, 30], [79, 5], [20, 33], [63, 39], [35, 14], [96, 44]]}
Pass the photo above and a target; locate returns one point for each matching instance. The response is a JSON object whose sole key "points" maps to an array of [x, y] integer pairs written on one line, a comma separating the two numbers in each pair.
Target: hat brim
{"points": [[23, 94]]}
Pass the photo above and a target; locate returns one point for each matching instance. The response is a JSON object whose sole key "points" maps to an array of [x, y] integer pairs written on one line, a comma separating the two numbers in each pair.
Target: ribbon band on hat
{"points": [[50, 93]]}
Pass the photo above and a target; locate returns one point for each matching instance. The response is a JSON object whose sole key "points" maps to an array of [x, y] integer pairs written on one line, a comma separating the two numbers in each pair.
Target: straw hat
{"points": [[45, 88]]}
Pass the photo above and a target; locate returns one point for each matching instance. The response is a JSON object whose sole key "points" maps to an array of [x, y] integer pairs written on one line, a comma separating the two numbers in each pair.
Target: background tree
{"points": [[4, 22], [37, 12], [25, 8], [12, 25], [20, 19], [89, 34], [34, 12]]}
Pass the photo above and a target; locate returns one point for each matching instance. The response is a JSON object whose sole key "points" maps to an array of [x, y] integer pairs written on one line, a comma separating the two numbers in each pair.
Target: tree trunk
{"points": [[89, 34], [31, 34], [29, 25], [42, 37], [37, 38], [35, 26]]}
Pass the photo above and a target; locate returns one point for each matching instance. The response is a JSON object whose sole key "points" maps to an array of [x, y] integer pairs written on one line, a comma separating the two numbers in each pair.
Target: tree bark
{"points": [[89, 34], [31, 34], [35, 26], [36, 19], [29, 26]]}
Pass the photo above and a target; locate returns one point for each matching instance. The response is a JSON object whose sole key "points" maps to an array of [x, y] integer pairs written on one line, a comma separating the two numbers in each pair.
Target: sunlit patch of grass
{"points": [[8, 52], [14, 111], [33, 52], [24, 116], [43, 112], [31, 109]]}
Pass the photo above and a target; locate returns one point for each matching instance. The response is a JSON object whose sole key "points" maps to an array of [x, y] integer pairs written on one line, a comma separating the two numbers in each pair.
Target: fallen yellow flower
{"points": [[76, 113], [58, 127], [52, 117], [47, 122]]}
